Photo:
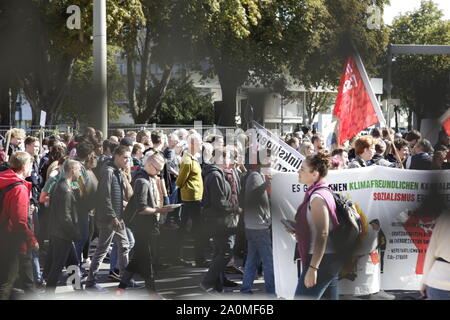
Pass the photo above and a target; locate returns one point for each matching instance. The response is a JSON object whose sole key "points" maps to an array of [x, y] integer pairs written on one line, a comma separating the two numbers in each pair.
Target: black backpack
{"points": [[346, 236], [242, 182]]}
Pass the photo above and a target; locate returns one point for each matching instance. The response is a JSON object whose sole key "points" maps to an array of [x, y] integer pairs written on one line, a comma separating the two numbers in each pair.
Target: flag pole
{"points": [[374, 100], [8, 141]]}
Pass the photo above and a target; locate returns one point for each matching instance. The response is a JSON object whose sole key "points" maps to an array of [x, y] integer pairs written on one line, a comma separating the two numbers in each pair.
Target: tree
{"points": [[47, 50], [9, 87], [263, 39], [77, 106], [163, 40], [184, 104], [421, 81], [317, 102]]}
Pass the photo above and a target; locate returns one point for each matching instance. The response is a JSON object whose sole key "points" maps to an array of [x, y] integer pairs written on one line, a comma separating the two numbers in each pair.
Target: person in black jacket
{"points": [[109, 214], [421, 160], [217, 205], [64, 222], [141, 217]]}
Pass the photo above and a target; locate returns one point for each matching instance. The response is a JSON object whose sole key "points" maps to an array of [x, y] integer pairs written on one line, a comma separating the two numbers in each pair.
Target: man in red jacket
{"points": [[16, 237]]}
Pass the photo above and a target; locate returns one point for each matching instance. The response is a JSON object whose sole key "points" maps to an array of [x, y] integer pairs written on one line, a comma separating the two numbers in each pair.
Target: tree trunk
{"points": [[155, 96], [227, 113], [4, 103], [410, 112], [131, 89], [396, 118], [145, 59]]}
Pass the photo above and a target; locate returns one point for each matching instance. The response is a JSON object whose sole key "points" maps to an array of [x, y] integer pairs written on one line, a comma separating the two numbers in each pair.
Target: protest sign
{"points": [[286, 158]]}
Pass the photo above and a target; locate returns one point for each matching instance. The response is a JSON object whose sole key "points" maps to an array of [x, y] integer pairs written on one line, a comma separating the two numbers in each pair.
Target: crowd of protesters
{"points": [[125, 191]]}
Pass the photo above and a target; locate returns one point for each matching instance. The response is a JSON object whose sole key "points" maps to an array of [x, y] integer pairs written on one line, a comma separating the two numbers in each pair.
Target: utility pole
{"points": [[100, 67], [282, 114], [10, 108], [389, 85]]}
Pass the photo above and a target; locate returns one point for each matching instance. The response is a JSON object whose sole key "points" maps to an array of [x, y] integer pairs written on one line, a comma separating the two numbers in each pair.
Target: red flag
{"points": [[445, 120], [353, 106]]}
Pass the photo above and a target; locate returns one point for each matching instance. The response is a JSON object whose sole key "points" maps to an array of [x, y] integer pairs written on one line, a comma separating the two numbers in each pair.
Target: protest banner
{"points": [[384, 197], [286, 158]]}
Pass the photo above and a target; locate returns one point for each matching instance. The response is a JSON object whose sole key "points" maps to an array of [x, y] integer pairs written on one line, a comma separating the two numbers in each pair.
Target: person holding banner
{"points": [[364, 151], [315, 219]]}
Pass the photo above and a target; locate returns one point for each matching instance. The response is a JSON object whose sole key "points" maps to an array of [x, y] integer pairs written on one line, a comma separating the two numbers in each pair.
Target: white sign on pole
{"points": [[287, 159], [43, 118]]}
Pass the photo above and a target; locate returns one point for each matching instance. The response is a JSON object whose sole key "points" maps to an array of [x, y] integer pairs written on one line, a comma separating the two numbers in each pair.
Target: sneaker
{"points": [[40, 284], [209, 290], [382, 295], [134, 285], [229, 284], [86, 264], [114, 276], [233, 270], [94, 287]]}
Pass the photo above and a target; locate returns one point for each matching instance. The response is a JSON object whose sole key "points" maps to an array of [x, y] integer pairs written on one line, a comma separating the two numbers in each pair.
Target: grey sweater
{"points": [[256, 204]]}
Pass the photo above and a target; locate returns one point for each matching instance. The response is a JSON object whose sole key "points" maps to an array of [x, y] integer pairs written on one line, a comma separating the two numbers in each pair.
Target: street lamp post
{"points": [[282, 113], [10, 108], [100, 67]]}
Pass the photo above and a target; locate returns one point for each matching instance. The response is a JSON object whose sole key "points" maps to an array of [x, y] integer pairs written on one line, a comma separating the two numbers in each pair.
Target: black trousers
{"points": [[223, 251], [9, 271], [25, 281], [62, 250], [141, 261], [193, 210]]}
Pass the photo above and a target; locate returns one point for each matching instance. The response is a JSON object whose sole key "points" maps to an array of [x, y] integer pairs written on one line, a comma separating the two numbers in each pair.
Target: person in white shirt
{"points": [[436, 271]]}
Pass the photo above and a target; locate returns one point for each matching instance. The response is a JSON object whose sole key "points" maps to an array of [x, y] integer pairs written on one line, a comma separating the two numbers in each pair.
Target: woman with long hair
{"points": [[314, 220]]}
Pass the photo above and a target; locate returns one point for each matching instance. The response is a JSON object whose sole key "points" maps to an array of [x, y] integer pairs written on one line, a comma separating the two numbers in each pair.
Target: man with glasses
{"points": [[141, 217]]}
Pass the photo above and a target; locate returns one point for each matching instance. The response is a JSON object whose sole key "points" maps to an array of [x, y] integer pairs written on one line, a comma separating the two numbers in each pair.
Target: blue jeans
{"points": [[37, 274], [327, 279], [175, 191], [83, 223], [113, 255], [259, 248], [437, 294]]}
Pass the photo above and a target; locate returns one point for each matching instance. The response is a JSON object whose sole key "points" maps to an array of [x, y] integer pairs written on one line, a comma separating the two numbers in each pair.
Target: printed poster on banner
{"points": [[392, 252], [286, 158]]}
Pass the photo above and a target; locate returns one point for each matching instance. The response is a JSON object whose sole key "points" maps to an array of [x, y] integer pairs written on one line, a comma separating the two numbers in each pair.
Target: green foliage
{"points": [[184, 104], [77, 104], [421, 81], [305, 39], [48, 50]]}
